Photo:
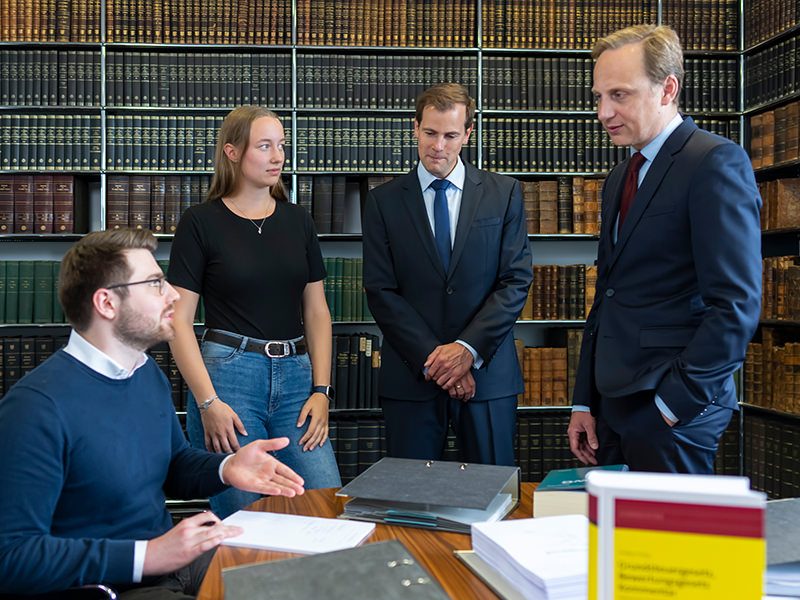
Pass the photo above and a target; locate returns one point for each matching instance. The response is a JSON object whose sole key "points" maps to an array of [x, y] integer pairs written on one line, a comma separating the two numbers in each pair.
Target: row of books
{"points": [[429, 23], [335, 201], [154, 202], [780, 288], [28, 291], [549, 372], [52, 142], [50, 21], [703, 25], [781, 208], [29, 294], [387, 22], [204, 79], [538, 144], [390, 81], [259, 22], [177, 142], [772, 375], [775, 135], [544, 371], [509, 24], [357, 443], [19, 355], [50, 203], [542, 444], [344, 289], [564, 83], [562, 206], [366, 144], [772, 73], [560, 293], [50, 78], [356, 360], [772, 454], [764, 19], [183, 79]]}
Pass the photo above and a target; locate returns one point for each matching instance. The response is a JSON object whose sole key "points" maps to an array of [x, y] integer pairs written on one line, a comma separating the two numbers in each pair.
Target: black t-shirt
{"points": [[251, 284]]}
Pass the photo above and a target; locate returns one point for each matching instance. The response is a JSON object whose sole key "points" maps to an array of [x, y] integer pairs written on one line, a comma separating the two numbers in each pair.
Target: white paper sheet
{"points": [[293, 533]]}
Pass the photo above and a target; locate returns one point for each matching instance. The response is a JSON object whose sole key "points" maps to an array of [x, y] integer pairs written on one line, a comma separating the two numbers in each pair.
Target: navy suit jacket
{"points": [[418, 306], [679, 295]]}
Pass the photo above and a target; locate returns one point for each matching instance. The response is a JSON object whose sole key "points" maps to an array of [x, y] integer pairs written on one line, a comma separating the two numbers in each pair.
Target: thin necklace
{"points": [[256, 225]]}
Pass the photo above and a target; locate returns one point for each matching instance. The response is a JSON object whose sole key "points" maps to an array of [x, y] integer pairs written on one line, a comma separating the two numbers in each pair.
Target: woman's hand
{"points": [[315, 407], [220, 423]]}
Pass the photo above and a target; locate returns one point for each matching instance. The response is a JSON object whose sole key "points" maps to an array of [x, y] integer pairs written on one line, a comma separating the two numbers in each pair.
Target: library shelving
{"points": [[125, 97]]}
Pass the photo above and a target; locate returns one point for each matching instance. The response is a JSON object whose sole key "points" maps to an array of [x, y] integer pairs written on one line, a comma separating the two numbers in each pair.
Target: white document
{"points": [[293, 533]]}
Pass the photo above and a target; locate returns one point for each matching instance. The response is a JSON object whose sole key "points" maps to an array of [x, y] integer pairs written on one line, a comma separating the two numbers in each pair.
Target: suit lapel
{"points": [[652, 181], [470, 199], [415, 205]]}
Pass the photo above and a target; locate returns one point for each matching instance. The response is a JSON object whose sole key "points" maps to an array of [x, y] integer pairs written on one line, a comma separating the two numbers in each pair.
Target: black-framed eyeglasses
{"points": [[156, 282]]}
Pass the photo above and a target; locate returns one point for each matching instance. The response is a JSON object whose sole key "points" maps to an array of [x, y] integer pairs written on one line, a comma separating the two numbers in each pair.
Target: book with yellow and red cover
{"points": [[693, 536]]}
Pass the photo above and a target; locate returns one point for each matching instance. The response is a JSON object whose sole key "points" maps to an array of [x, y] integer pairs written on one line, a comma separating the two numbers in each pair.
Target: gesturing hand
{"points": [[253, 469]]}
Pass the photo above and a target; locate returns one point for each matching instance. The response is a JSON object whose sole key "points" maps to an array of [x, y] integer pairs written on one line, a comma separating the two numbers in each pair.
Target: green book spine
{"points": [[346, 312], [26, 292], [12, 291], [336, 309], [43, 292], [2, 291], [58, 312], [329, 266]]}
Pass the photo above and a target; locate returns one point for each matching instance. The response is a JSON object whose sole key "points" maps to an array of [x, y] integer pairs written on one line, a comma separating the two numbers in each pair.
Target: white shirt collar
{"points": [[83, 351], [456, 176], [650, 151]]}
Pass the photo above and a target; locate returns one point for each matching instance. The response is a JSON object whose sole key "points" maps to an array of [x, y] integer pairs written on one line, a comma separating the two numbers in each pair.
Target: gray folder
{"points": [[431, 494], [384, 570]]}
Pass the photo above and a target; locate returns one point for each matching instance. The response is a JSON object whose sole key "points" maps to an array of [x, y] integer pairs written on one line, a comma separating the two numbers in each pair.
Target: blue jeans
{"points": [[267, 394]]}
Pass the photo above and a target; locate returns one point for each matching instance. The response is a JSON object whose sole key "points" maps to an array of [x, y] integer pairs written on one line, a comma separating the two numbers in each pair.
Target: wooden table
{"points": [[434, 549]]}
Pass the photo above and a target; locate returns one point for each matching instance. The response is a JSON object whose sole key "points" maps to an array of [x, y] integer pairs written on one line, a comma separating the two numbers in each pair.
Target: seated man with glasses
{"points": [[90, 443]]}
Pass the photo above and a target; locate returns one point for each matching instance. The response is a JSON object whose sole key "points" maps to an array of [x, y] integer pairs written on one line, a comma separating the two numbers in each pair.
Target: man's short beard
{"points": [[129, 330]]}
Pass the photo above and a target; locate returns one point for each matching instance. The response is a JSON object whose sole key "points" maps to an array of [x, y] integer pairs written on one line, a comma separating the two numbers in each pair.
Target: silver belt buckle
{"points": [[284, 349]]}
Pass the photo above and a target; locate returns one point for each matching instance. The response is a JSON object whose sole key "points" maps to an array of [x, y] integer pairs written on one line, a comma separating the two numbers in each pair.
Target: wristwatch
{"points": [[325, 389]]}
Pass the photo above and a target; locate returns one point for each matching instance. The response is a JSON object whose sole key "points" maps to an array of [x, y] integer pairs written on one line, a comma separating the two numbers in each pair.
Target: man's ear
{"points": [[105, 303], [671, 90]]}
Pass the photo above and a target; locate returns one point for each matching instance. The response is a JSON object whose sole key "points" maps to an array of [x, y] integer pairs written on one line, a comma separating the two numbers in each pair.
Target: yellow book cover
{"points": [[682, 537]]}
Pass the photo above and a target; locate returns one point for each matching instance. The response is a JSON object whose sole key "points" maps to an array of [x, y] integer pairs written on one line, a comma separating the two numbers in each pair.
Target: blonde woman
{"points": [[262, 369]]}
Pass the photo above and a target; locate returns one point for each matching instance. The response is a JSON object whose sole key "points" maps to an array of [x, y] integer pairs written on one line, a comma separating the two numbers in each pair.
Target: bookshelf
{"points": [[133, 91], [771, 89]]}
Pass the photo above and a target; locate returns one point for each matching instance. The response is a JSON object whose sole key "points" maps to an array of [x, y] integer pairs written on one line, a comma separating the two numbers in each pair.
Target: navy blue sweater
{"points": [[85, 462]]}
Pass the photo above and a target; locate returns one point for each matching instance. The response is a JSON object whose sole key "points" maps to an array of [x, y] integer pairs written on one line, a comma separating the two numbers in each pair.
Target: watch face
{"points": [[325, 389]]}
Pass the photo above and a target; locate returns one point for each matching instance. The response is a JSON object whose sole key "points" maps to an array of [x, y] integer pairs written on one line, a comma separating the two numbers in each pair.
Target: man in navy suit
{"points": [[679, 271], [447, 270]]}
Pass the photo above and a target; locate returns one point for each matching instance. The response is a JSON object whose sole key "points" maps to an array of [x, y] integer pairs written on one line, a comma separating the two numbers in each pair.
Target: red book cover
{"points": [[43, 203]]}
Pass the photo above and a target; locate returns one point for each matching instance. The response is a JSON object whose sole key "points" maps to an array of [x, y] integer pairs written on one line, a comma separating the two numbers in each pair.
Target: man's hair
{"points": [[663, 55], [235, 130], [444, 96], [97, 260]]}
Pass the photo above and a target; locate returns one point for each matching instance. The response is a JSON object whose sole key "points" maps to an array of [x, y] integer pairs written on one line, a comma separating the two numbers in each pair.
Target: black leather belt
{"points": [[272, 348]]}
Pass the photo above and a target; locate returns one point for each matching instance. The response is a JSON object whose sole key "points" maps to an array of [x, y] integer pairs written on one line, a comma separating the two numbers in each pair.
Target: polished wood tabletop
{"points": [[434, 549]]}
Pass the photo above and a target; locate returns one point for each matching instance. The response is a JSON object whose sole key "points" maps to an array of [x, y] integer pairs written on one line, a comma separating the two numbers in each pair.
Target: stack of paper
{"points": [[293, 533], [541, 558], [783, 551]]}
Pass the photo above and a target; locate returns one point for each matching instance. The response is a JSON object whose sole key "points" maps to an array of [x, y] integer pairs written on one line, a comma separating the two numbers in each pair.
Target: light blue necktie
{"points": [[441, 221]]}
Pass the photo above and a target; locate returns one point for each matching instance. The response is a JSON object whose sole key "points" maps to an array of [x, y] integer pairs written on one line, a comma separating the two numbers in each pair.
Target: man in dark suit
{"points": [[679, 271], [447, 270]]}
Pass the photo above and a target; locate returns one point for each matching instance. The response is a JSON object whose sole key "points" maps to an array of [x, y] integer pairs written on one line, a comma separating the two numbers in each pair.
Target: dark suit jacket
{"points": [[679, 295], [418, 306]]}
